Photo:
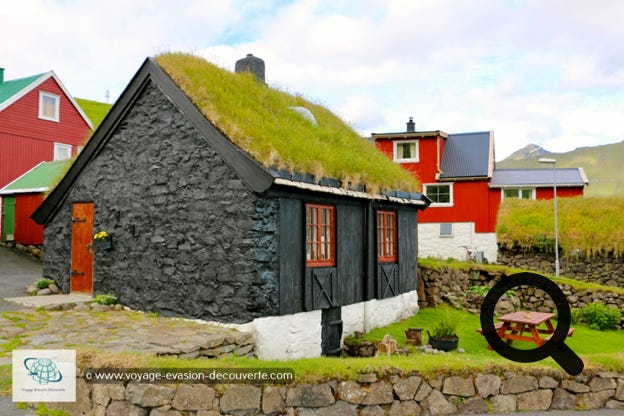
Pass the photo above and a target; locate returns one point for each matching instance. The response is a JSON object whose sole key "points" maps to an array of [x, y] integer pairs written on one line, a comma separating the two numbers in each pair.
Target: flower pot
{"points": [[444, 343], [414, 336], [106, 243]]}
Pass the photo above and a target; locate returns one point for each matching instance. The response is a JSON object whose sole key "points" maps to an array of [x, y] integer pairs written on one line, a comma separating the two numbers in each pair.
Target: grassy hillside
{"points": [[261, 120], [603, 165], [591, 225], [95, 110]]}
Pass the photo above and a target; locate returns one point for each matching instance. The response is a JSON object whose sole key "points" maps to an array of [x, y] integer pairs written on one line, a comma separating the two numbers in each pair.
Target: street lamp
{"points": [[553, 162]]}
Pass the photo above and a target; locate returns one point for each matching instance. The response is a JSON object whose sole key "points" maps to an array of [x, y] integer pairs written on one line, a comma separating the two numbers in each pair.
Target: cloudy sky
{"points": [[549, 72]]}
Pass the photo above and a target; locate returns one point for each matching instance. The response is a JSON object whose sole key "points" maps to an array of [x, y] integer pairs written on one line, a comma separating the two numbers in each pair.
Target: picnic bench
{"points": [[526, 326]]}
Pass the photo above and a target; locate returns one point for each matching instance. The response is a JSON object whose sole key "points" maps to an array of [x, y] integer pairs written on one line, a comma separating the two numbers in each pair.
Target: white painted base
{"points": [[299, 335], [430, 244]]}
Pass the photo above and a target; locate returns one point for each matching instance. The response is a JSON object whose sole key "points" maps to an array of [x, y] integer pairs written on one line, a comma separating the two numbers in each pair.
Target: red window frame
{"points": [[320, 236], [386, 237]]}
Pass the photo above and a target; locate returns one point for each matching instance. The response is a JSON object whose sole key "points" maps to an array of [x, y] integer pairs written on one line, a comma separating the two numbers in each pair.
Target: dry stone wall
{"points": [[392, 395], [451, 285], [603, 269]]}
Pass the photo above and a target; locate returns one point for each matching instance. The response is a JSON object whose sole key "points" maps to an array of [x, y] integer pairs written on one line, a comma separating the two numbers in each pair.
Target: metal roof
{"points": [[503, 178], [9, 88], [468, 155], [38, 179]]}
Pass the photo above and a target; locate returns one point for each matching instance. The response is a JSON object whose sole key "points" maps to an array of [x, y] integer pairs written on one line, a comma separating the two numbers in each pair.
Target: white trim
{"points": [[57, 106], [38, 82], [520, 189], [25, 190], [3, 192], [451, 235], [443, 204], [415, 159], [345, 192], [58, 146]]}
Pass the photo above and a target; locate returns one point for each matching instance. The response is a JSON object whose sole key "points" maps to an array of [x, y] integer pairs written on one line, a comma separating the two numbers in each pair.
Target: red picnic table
{"points": [[514, 326]]}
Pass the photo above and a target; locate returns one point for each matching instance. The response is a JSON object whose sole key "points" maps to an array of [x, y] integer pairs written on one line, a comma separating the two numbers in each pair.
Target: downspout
{"points": [[438, 157]]}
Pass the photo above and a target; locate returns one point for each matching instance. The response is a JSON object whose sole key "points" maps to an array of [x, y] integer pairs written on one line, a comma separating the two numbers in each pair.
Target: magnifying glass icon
{"points": [[555, 346]]}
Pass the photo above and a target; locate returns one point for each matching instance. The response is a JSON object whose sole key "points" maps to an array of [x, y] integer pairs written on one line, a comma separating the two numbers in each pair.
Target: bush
{"points": [[105, 299], [447, 325], [599, 316], [44, 283]]}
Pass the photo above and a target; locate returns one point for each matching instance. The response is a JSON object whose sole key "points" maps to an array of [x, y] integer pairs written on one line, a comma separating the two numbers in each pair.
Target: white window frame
{"points": [[451, 235], [58, 147], [440, 204], [57, 106], [519, 190], [395, 152]]}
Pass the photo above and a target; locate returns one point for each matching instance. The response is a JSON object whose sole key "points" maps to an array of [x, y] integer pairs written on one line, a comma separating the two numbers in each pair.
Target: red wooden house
{"points": [[458, 174], [39, 121]]}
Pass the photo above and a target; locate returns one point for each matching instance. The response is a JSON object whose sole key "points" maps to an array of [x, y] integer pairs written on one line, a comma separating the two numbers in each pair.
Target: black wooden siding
{"points": [[356, 275]]}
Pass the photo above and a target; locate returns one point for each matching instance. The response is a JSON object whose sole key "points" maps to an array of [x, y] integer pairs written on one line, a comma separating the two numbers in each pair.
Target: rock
{"points": [[149, 395], [375, 410], [458, 386], [619, 393], [379, 393], [438, 405], [351, 392], [563, 400], [614, 404], [519, 384], [574, 387], [193, 397], [534, 400], [99, 394], [367, 378], [83, 403], [54, 289], [273, 399], [116, 391], [309, 395], [406, 389], [404, 408], [339, 408], [547, 382], [82, 307], [593, 401], [44, 292], [212, 341], [487, 384], [473, 405], [503, 403], [165, 411], [32, 290], [423, 392], [241, 399], [100, 308], [599, 384], [123, 408]]}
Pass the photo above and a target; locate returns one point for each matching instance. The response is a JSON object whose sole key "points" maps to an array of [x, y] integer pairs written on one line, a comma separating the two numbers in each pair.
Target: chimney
{"points": [[1, 75], [411, 126], [251, 64]]}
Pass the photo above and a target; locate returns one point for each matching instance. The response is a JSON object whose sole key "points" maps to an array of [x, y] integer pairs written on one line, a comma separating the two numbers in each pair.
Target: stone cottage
{"points": [[216, 197]]}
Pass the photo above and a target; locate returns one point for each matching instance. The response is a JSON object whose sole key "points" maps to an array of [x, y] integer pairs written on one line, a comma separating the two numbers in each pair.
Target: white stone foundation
{"points": [[299, 335], [430, 244]]}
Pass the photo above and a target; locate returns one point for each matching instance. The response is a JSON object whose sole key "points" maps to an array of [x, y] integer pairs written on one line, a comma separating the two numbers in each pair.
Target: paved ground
{"points": [[16, 271]]}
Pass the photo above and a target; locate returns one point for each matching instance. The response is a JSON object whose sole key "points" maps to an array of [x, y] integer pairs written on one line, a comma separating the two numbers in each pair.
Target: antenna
{"points": [[107, 95]]}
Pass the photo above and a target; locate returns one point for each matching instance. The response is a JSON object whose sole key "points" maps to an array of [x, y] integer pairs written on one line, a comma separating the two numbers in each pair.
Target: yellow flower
{"points": [[100, 235]]}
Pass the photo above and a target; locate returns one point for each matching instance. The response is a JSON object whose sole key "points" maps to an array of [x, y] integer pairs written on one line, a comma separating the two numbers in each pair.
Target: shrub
{"points": [[599, 316], [105, 299], [447, 325], [44, 283]]}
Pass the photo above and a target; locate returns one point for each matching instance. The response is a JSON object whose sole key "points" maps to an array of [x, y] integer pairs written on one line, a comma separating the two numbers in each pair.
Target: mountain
{"points": [[602, 164], [530, 150]]}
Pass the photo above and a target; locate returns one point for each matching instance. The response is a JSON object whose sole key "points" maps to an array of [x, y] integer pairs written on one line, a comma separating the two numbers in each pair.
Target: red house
{"points": [[459, 175], [39, 121]]}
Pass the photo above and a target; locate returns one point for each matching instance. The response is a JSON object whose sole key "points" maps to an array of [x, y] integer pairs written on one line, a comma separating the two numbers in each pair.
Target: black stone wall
{"points": [[190, 238]]}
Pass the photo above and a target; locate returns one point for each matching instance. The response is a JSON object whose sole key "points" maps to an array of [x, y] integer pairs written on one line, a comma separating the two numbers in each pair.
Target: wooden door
{"points": [[8, 224], [81, 276]]}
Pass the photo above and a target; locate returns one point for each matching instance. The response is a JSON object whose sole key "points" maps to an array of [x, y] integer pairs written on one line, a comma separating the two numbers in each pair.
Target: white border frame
{"points": [[408, 160], [443, 204], [57, 106], [58, 146]]}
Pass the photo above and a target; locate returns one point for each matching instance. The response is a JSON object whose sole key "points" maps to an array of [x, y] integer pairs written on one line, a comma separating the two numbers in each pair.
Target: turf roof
{"points": [[261, 121]]}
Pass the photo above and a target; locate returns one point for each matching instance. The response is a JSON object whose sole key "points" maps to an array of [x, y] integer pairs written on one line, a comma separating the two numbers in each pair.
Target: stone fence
{"points": [[451, 285], [604, 269], [393, 395]]}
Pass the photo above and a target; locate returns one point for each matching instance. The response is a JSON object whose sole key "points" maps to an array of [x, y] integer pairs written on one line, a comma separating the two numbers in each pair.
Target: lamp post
{"points": [[553, 162]]}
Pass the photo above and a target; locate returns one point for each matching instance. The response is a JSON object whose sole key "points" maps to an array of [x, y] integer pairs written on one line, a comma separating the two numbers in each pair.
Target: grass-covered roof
{"points": [[260, 120]]}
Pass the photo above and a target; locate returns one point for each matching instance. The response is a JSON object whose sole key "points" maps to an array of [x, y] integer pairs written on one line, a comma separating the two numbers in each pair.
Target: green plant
{"points": [[105, 299], [44, 283], [479, 290], [599, 316], [447, 325]]}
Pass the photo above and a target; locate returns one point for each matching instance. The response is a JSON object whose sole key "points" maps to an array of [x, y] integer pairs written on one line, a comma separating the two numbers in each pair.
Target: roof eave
{"points": [[409, 135]]}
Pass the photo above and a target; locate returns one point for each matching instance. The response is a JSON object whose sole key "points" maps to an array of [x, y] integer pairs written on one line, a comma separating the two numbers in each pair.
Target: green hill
{"points": [[602, 164], [95, 110]]}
